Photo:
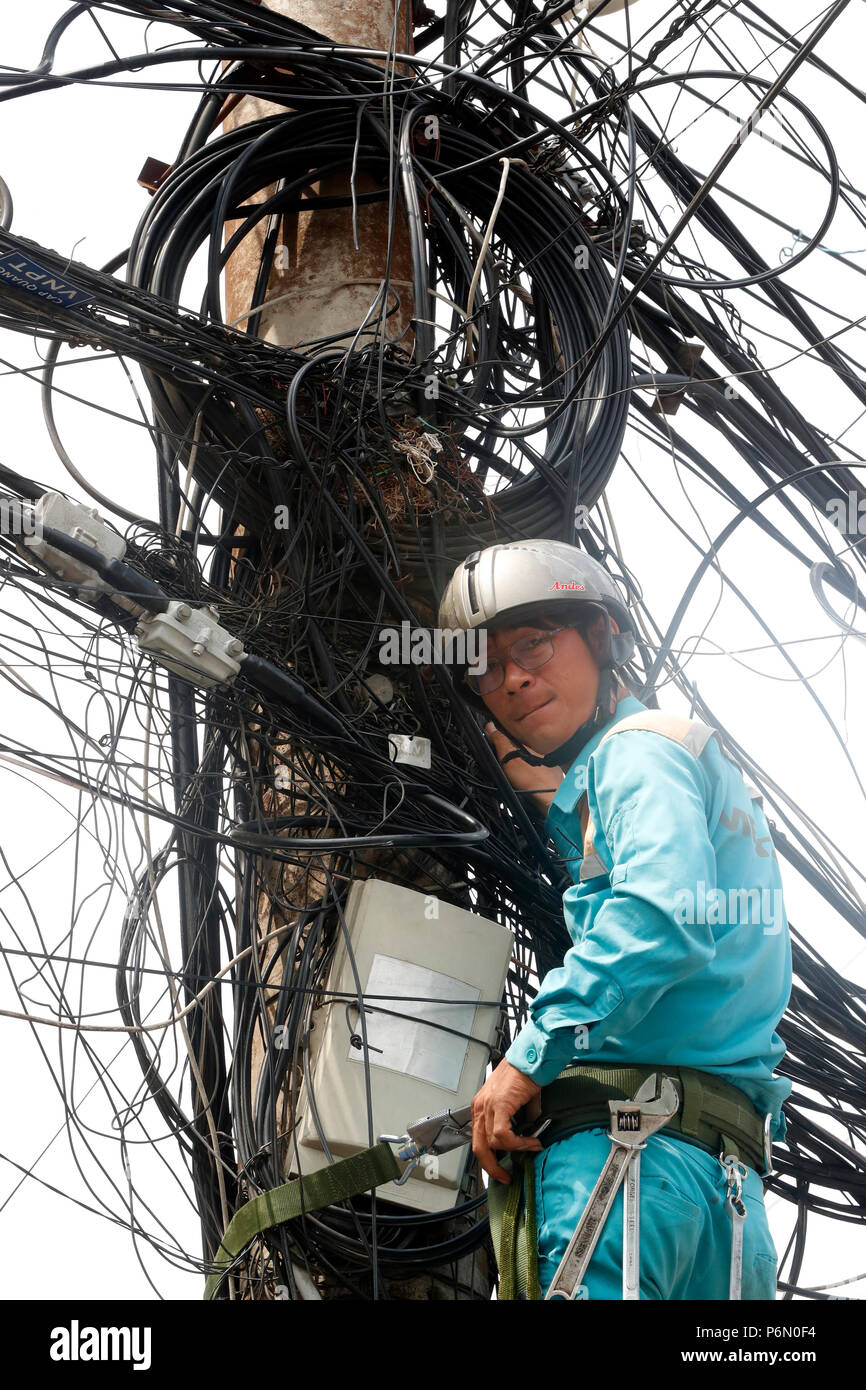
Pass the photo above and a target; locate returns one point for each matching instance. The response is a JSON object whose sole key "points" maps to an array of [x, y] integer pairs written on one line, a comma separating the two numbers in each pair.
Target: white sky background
{"points": [[71, 159]]}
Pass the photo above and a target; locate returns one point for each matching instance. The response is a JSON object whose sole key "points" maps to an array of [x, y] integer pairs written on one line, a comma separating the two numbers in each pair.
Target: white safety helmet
{"points": [[514, 580]]}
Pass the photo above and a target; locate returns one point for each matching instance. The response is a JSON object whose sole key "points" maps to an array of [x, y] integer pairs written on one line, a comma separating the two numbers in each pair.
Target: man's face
{"points": [[544, 707]]}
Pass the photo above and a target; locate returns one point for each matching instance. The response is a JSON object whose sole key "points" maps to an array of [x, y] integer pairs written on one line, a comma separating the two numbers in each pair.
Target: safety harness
{"points": [[712, 1114]]}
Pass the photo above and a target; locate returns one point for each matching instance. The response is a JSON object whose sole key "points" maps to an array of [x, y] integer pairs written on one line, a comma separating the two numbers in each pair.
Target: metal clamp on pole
{"points": [[433, 1134]]}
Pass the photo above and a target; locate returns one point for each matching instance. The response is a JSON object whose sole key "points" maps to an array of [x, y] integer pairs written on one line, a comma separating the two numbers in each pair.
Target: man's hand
{"points": [[542, 782], [501, 1096]]}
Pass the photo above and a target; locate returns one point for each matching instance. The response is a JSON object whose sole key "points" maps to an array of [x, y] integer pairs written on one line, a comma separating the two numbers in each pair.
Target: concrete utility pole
{"points": [[324, 283], [321, 284]]}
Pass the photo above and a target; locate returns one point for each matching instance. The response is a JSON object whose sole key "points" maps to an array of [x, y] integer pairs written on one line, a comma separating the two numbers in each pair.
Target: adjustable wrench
{"points": [[631, 1124]]}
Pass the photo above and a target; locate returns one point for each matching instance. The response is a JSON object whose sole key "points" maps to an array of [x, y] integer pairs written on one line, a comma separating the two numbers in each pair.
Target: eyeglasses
{"points": [[527, 652]]}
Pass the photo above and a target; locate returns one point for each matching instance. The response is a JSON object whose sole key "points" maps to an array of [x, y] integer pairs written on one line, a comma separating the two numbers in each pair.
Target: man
{"points": [[681, 962]]}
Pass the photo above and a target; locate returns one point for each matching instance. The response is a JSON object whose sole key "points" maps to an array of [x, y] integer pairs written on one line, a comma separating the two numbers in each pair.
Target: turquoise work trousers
{"points": [[685, 1229]]}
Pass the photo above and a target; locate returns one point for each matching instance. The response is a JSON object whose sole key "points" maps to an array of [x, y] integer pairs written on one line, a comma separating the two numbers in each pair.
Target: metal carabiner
{"points": [[407, 1149], [769, 1170]]}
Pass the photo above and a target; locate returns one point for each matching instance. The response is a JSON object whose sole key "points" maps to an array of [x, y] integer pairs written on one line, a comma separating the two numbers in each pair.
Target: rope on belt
{"points": [[514, 1229]]}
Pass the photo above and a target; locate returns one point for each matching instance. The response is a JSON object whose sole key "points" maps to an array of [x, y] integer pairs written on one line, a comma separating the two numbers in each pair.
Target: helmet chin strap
{"points": [[565, 754]]}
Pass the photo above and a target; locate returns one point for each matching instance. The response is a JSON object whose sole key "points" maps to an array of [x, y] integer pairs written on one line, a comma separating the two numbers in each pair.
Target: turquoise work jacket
{"points": [[681, 948]]}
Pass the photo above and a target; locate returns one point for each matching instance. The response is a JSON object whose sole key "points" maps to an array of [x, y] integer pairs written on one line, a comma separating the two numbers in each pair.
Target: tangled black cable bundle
{"points": [[551, 310]]}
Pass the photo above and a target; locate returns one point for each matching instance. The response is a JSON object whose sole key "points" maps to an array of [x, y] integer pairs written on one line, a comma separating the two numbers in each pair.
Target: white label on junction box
{"points": [[407, 1044]]}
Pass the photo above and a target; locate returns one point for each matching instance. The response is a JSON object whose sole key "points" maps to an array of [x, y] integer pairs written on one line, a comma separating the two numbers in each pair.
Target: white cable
{"points": [[482, 254]]}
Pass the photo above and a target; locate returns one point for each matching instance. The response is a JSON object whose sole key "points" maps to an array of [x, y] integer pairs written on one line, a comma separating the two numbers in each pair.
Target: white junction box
{"points": [[80, 524], [191, 643], [437, 963]]}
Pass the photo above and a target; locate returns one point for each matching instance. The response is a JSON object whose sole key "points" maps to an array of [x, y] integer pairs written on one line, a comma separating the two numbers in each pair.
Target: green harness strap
{"points": [[514, 1229], [348, 1178], [711, 1108]]}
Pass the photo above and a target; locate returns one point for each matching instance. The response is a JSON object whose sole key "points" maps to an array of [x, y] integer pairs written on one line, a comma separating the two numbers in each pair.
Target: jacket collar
{"points": [[573, 785]]}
